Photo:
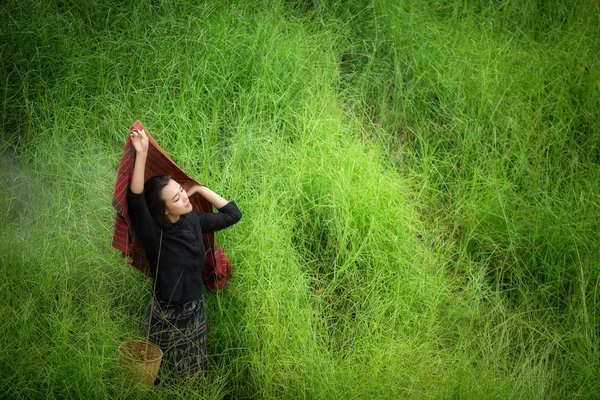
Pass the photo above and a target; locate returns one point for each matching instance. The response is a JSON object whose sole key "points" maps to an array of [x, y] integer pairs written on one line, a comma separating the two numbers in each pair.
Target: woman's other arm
{"points": [[228, 213], [213, 198]]}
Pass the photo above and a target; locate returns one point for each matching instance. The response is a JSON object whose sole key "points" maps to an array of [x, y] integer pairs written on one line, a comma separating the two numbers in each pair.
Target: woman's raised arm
{"points": [[140, 144]]}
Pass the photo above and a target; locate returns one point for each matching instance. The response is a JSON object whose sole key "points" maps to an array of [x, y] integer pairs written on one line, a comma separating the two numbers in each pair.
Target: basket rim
{"points": [[136, 341]]}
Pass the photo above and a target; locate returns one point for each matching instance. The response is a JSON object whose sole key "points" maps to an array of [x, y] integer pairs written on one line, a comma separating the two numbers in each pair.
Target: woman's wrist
{"points": [[200, 187], [212, 197], [195, 189]]}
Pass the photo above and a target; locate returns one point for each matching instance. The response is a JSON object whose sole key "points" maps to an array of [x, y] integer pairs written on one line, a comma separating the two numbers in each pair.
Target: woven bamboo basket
{"points": [[141, 361]]}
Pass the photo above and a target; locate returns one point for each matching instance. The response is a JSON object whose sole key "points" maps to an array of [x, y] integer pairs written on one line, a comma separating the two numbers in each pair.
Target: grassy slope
{"points": [[419, 187]]}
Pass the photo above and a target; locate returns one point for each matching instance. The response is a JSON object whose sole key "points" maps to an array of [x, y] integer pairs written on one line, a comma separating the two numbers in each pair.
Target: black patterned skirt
{"points": [[180, 331]]}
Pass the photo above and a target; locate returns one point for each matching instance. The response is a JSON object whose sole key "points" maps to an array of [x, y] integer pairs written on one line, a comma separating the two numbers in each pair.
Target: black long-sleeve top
{"points": [[181, 261]]}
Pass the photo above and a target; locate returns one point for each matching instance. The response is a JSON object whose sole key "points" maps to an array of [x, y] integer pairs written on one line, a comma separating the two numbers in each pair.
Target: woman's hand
{"points": [[195, 188], [139, 141]]}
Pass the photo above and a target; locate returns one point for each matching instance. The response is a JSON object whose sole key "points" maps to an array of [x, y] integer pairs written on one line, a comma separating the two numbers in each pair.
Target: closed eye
{"points": [[180, 191]]}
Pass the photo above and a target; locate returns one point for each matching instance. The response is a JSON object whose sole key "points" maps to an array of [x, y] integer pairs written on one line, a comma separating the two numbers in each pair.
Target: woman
{"points": [[171, 235]]}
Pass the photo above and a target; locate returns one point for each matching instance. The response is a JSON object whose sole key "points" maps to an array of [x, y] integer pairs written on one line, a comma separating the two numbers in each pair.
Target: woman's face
{"points": [[176, 199]]}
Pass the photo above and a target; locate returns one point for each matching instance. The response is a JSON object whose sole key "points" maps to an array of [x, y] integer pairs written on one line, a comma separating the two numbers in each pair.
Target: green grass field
{"points": [[419, 180]]}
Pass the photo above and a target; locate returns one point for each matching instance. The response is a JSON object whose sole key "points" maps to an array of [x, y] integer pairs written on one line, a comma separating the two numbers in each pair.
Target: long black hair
{"points": [[156, 204]]}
